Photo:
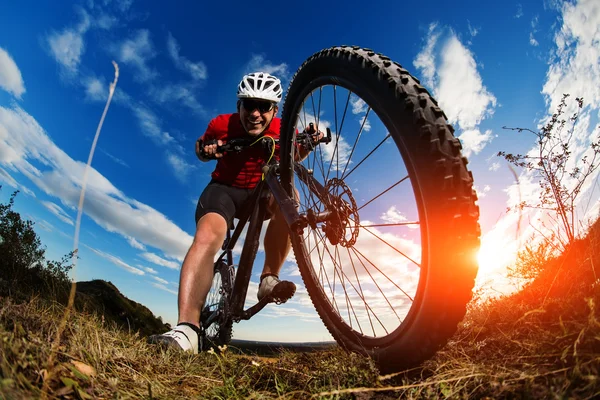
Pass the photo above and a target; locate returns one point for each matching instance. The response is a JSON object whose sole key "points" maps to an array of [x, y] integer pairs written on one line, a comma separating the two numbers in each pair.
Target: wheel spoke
{"points": [[367, 156], [338, 133], [387, 277], [356, 284], [356, 141], [382, 193], [361, 295], [392, 247]]}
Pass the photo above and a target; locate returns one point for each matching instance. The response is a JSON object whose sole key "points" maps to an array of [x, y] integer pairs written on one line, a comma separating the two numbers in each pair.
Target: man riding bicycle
{"points": [[233, 179]]}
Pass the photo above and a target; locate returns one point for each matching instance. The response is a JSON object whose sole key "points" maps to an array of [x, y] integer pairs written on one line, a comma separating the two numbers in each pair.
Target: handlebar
{"points": [[237, 145]]}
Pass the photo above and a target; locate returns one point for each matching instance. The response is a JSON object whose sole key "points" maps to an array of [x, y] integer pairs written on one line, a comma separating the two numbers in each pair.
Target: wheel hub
{"points": [[342, 225]]}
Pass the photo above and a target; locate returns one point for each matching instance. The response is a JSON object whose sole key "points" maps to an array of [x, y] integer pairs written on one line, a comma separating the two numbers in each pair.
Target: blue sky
{"points": [[489, 65]]}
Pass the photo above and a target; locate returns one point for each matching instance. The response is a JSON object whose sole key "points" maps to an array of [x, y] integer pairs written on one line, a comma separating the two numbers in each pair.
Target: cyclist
{"points": [[233, 179]]}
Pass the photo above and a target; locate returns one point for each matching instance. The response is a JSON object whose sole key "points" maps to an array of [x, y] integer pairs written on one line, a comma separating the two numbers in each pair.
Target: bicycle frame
{"points": [[254, 212]]}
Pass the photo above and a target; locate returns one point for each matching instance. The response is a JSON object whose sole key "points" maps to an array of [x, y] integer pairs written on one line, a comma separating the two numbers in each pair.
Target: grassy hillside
{"points": [[543, 342]]}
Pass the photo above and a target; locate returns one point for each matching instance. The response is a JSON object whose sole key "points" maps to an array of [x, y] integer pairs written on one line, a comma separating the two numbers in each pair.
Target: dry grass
{"points": [[543, 342]]}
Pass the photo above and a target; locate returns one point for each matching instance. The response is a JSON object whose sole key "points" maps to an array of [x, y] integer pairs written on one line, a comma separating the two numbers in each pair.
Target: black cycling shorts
{"points": [[221, 199]]}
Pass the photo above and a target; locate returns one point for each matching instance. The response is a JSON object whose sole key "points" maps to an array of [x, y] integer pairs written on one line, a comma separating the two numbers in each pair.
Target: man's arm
{"points": [[302, 152], [206, 145]]}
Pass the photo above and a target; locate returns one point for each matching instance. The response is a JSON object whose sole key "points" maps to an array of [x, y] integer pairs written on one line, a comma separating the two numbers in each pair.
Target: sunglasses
{"points": [[262, 106]]}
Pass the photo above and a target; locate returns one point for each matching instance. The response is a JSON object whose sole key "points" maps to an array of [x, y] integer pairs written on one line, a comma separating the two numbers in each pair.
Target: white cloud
{"points": [[105, 21], [117, 261], [156, 259], [58, 211], [449, 68], [519, 13], [426, 59], [10, 181], [135, 244], [574, 69], [481, 193], [473, 31], [197, 70], [115, 159], [151, 125], [495, 166], [137, 52], [460, 91], [393, 216], [364, 122], [148, 269], [358, 105], [68, 46], [95, 89], [182, 93], [258, 62], [534, 25], [473, 140], [181, 167], [10, 75], [163, 287], [25, 147], [161, 280]]}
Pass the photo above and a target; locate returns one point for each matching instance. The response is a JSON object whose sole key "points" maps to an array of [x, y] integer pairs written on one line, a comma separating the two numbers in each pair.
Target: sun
{"points": [[494, 257]]}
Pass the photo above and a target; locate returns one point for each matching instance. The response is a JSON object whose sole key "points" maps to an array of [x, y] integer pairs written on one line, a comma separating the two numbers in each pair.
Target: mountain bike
{"points": [[385, 229]]}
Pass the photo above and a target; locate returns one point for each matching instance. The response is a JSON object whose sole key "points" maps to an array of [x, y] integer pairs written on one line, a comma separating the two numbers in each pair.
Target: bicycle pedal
{"points": [[282, 292]]}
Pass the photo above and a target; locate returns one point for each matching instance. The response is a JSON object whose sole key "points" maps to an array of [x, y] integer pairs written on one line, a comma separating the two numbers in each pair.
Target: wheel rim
{"points": [[213, 307], [371, 282]]}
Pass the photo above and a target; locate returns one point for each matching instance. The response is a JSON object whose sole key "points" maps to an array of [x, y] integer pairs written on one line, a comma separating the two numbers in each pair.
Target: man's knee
{"points": [[210, 230]]}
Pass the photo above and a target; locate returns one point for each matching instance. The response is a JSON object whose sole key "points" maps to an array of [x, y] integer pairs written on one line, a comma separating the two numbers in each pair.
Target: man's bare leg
{"points": [[277, 242], [197, 269]]}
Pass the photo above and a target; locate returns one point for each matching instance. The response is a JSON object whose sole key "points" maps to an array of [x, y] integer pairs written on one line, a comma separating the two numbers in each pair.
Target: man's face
{"points": [[256, 115]]}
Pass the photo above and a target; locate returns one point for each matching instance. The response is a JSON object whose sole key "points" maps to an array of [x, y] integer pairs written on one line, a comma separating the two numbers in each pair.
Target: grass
{"points": [[543, 342]]}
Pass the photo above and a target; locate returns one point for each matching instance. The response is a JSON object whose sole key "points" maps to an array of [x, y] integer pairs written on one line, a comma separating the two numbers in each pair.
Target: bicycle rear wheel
{"points": [[389, 257], [215, 318]]}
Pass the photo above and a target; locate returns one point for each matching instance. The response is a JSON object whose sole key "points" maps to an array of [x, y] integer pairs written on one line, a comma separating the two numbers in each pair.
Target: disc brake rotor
{"points": [[342, 226]]}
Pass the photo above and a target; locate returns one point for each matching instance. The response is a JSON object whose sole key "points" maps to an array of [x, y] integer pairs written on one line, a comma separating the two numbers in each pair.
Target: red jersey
{"points": [[242, 169]]}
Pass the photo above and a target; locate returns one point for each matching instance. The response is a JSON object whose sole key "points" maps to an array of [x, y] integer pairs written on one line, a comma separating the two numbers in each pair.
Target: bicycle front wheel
{"points": [[389, 256]]}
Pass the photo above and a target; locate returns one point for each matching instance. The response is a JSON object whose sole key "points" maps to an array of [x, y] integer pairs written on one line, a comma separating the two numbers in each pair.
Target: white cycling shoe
{"points": [[280, 291], [184, 337]]}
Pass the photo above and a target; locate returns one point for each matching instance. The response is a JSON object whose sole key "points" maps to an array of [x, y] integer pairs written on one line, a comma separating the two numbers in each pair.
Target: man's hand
{"points": [[208, 151], [311, 130]]}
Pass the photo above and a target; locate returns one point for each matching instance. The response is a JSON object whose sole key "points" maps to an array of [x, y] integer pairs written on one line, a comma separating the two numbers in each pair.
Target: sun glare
{"points": [[493, 258]]}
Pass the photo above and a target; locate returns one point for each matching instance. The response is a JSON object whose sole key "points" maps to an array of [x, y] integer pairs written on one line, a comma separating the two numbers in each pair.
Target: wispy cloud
{"points": [[161, 280], [473, 31], [573, 69], [9, 180], [197, 70], [148, 269], [156, 259], [519, 13], [534, 25], [181, 167], [30, 151], [67, 46], [115, 159], [11, 79], [182, 93], [58, 211], [135, 244], [117, 261], [163, 287], [449, 68], [258, 62], [136, 52], [481, 193]]}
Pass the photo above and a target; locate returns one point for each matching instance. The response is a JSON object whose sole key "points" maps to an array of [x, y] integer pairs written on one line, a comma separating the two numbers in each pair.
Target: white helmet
{"points": [[260, 85]]}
